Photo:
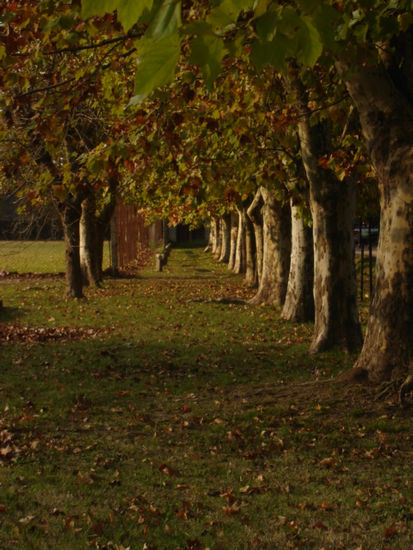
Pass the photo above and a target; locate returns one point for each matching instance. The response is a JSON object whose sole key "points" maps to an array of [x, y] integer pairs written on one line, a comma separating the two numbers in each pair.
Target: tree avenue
{"points": [[267, 118], [61, 137]]}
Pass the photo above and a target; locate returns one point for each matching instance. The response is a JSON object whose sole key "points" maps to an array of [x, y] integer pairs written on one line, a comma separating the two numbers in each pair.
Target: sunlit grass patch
{"points": [[37, 256]]}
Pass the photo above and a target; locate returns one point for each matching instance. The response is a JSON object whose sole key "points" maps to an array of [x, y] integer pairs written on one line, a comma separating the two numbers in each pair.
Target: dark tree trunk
{"points": [[332, 204], [233, 240], [383, 95], [226, 236], [255, 215], [70, 212], [218, 233], [208, 247], [250, 252], [103, 221], [276, 250], [214, 234], [299, 300], [239, 263], [88, 242]]}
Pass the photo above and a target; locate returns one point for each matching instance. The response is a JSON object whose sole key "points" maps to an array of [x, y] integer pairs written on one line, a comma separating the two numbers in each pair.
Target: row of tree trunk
{"points": [[84, 229], [383, 96], [382, 93], [307, 272]]}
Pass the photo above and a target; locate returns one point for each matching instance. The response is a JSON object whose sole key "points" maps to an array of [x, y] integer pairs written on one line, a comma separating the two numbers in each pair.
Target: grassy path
{"points": [[150, 416]]}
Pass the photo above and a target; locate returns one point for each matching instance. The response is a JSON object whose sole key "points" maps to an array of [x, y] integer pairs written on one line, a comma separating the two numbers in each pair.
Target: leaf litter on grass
{"points": [[191, 425]]}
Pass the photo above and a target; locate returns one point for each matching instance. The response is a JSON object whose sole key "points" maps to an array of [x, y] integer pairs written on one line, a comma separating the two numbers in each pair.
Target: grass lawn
{"points": [[37, 256], [151, 415]]}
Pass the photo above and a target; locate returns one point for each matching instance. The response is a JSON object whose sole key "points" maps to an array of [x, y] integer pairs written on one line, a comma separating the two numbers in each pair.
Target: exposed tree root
{"points": [[405, 388]]}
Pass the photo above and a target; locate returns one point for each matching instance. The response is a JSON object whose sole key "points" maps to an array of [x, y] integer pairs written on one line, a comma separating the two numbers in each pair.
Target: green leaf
{"points": [[99, 7], [309, 43], [264, 53], [326, 20], [266, 25], [228, 12], [308, 6], [198, 28], [260, 7], [129, 11], [156, 66], [207, 53], [166, 20], [2, 52]]}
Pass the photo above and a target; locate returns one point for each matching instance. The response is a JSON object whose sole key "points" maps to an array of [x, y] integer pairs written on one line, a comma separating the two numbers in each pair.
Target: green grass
{"points": [[37, 256], [166, 421]]}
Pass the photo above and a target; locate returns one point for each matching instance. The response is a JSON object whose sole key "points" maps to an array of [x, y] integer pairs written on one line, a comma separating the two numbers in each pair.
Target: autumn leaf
{"points": [[390, 532], [231, 510], [228, 496], [327, 462], [168, 470]]}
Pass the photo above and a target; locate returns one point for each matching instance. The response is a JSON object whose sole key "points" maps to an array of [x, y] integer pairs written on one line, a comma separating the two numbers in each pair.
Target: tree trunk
{"points": [[299, 300], [332, 204], [239, 263], [214, 234], [100, 243], [103, 221], [233, 240], [250, 252], [226, 236], [70, 212], [255, 215], [88, 242], [218, 233], [383, 95], [209, 244], [276, 250]]}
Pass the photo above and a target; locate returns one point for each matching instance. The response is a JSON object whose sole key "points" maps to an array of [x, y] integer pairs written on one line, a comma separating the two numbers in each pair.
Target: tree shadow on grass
{"points": [[8, 314]]}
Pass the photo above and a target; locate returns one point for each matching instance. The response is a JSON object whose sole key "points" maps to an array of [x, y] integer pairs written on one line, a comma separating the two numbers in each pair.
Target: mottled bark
{"points": [[214, 234], [332, 204], [226, 236], [209, 244], [383, 95], [250, 252], [299, 300], [218, 238], [239, 263], [233, 240], [93, 227], [70, 212], [88, 242], [276, 250], [255, 215]]}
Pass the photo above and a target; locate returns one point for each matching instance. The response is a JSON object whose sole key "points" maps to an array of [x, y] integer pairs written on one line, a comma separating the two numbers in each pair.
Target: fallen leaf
{"points": [[26, 519], [327, 462], [390, 532], [231, 510], [327, 507], [168, 470]]}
